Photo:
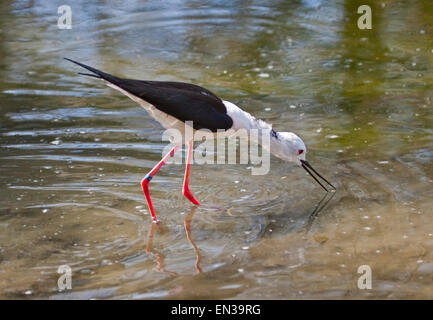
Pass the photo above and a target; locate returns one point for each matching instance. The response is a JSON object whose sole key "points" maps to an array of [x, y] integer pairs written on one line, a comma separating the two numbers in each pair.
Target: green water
{"points": [[72, 151]]}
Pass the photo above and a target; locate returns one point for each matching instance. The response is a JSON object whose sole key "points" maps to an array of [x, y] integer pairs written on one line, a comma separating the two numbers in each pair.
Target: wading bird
{"points": [[175, 104]]}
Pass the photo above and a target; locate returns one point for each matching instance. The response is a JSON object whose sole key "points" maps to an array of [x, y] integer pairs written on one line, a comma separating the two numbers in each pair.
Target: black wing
{"points": [[184, 101]]}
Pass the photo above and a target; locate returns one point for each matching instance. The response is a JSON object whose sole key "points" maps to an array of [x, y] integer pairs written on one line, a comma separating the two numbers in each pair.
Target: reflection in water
{"points": [[159, 257], [187, 225], [318, 208]]}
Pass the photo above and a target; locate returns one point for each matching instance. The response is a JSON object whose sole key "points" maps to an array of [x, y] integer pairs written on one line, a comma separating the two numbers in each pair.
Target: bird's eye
{"points": [[300, 151]]}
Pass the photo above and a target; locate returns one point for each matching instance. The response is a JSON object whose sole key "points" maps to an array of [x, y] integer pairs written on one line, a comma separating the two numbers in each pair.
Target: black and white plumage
{"points": [[168, 101], [175, 104], [183, 101]]}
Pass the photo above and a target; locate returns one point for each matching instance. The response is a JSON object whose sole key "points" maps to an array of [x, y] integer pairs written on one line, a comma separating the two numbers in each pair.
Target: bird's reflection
{"points": [[157, 227], [159, 257], [187, 226], [317, 209]]}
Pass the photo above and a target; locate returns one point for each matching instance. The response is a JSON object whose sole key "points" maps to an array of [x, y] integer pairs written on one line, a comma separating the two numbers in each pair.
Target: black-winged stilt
{"points": [[175, 103]]}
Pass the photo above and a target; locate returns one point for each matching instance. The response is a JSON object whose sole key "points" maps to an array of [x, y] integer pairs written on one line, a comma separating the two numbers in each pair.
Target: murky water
{"points": [[72, 152]]}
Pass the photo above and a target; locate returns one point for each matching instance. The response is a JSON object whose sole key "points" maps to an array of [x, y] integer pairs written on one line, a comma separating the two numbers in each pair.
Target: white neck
{"points": [[244, 120]]}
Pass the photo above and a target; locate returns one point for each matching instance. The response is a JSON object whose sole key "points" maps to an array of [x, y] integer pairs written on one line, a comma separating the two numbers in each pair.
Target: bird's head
{"points": [[289, 147]]}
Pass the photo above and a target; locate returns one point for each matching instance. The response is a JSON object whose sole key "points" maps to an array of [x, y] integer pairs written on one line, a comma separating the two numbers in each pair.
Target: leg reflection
{"points": [[187, 225], [159, 257]]}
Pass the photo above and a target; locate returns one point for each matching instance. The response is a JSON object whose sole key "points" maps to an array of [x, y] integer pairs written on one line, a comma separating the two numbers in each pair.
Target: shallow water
{"points": [[72, 152]]}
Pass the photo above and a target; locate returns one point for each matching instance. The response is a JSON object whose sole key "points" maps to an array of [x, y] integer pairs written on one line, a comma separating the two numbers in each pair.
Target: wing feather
{"points": [[184, 101]]}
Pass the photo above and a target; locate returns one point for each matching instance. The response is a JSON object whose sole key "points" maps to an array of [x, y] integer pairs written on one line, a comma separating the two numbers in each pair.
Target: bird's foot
{"points": [[189, 196]]}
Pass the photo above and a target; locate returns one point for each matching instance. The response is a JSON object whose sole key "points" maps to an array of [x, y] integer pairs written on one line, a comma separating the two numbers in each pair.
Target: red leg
{"points": [[149, 176], [185, 189]]}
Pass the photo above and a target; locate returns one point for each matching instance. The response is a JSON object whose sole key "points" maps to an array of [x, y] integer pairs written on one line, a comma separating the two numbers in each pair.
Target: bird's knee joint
{"points": [[145, 181], [185, 191]]}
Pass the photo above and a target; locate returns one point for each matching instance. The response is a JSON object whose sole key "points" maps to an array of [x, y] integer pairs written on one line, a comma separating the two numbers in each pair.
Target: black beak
{"points": [[308, 166]]}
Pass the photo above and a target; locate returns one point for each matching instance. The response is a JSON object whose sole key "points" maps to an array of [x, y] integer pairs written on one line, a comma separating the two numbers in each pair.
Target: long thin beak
{"points": [[307, 166]]}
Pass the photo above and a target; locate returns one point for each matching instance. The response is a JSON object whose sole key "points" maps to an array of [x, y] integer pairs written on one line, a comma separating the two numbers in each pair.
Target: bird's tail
{"points": [[96, 73]]}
